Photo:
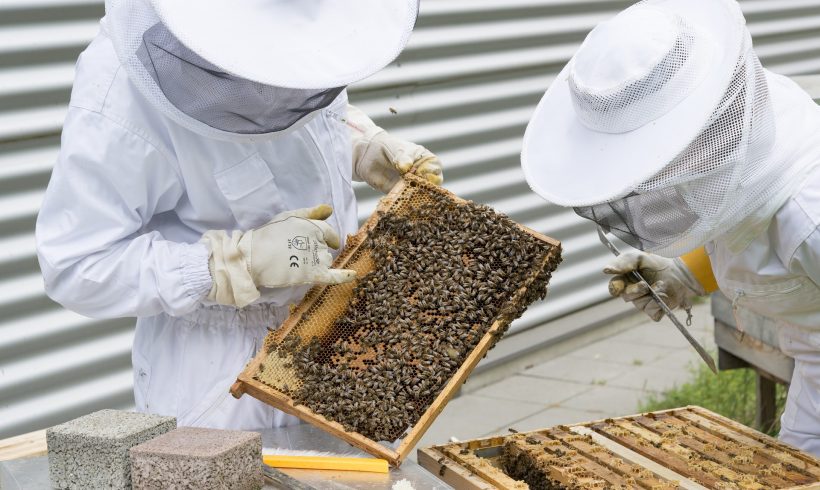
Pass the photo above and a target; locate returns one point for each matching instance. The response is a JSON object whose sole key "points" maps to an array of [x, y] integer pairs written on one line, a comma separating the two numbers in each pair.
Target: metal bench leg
{"points": [[766, 410]]}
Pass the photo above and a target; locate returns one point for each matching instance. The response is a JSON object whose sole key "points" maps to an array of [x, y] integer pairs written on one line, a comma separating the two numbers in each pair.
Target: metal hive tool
{"points": [[375, 361]]}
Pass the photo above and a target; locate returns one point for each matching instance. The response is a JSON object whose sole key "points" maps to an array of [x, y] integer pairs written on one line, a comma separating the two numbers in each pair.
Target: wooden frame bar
{"points": [[643, 442], [247, 384]]}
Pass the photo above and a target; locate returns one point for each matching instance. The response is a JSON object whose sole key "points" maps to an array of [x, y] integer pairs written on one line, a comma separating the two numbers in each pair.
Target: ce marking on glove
{"points": [[297, 243]]}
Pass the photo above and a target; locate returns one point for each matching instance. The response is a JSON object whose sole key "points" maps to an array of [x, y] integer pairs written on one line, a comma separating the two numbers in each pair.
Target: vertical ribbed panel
{"points": [[465, 87]]}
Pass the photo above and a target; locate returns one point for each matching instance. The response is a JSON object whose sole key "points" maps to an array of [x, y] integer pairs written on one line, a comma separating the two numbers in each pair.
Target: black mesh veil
{"points": [[219, 99], [637, 218]]}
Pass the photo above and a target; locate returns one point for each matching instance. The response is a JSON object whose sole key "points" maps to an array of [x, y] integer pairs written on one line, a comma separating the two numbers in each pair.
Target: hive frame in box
{"points": [[453, 462], [246, 383]]}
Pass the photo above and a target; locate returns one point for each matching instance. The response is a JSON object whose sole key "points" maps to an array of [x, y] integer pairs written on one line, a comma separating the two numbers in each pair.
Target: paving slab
{"points": [[588, 371], [658, 377], [550, 418], [686, 359], [533, 390], [608, 401], [471, 416], [654, 334], [621, 352]]}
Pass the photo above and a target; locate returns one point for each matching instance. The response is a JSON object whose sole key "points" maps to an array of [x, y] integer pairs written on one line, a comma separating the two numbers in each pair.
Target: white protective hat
{"points": [[261, 53], [660, 128], [304, 44]]}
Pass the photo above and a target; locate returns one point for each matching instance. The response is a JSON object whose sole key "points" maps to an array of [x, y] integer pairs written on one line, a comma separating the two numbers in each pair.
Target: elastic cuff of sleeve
{"points": [[195, 274], [698, 264]]}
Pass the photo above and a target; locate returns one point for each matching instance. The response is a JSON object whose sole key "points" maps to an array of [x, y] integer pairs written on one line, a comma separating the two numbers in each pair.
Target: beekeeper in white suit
{"points": [[665, 129], [204, 150]]}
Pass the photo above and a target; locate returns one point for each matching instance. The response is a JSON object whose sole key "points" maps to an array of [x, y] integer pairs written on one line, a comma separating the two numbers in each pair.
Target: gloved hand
{"points": [[669, 277], [290, 250], [380, 159]]}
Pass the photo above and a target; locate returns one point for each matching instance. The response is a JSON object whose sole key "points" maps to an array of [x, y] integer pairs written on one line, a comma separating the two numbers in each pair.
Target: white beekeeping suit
{"points": [[202, 155], [665, 129]]}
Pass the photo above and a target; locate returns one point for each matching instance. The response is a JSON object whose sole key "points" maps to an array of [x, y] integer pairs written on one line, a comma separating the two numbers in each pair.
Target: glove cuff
{"points": [[688, 279], [232, 281]]}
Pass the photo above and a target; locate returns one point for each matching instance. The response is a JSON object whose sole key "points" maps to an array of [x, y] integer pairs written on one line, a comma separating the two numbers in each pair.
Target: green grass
{"points": [[730, 393]]}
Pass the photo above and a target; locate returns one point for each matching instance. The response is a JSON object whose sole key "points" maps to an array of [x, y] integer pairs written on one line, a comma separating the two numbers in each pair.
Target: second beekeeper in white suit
{"points": [[205, 174], [666, 130]]}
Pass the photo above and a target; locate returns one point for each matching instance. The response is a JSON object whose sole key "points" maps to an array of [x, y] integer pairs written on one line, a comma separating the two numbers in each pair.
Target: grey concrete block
{"points": [[92, 451], [195, 458]]}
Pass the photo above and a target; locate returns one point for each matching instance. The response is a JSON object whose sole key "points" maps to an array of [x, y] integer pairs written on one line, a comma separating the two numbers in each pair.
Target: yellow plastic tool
{"points": [[371, 465]]}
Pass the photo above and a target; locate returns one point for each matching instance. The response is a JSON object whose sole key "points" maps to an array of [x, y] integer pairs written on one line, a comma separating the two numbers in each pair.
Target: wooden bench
{"points": [[23, 446], [747, 340]]}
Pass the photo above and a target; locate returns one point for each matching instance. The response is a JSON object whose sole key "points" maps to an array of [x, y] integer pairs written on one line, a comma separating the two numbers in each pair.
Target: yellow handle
{"points": [[372, 465]]}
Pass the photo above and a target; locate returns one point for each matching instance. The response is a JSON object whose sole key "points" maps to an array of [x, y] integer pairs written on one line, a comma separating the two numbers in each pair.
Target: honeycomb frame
{"points": [[316, 302], [688, 448]]}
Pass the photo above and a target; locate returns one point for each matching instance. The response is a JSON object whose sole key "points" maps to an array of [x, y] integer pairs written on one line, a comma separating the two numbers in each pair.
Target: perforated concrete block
{"points": [[92, 451], [202, 459]]}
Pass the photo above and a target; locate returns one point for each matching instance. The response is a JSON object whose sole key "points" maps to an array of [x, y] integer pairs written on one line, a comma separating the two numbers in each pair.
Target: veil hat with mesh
{"points": [[304, 44], [252, 70], [639, 90]]}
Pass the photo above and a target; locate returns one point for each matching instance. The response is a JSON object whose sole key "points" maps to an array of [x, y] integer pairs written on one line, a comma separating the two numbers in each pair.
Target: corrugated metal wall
{"points": [[465, 87]]}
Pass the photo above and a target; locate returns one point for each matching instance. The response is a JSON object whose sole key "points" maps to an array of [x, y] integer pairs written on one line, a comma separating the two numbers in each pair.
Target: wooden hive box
{"points": [[320, 327], [688, 448]]}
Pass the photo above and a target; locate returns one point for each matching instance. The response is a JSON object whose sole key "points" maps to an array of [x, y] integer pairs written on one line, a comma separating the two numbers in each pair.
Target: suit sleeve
{"points": [[95, 254]]}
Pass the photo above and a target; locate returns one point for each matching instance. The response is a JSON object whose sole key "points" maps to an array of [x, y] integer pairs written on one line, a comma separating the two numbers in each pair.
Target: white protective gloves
{"points": [[380, 159], [670, 278], [290, 250]]}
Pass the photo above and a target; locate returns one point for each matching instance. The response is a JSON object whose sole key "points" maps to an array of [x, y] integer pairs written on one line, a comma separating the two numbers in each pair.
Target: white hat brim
{"points": [[569, 164], [310, 44]]}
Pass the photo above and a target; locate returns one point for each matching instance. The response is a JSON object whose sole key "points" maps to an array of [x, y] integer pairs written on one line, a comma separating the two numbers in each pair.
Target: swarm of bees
{"points": [[443, 273]]}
